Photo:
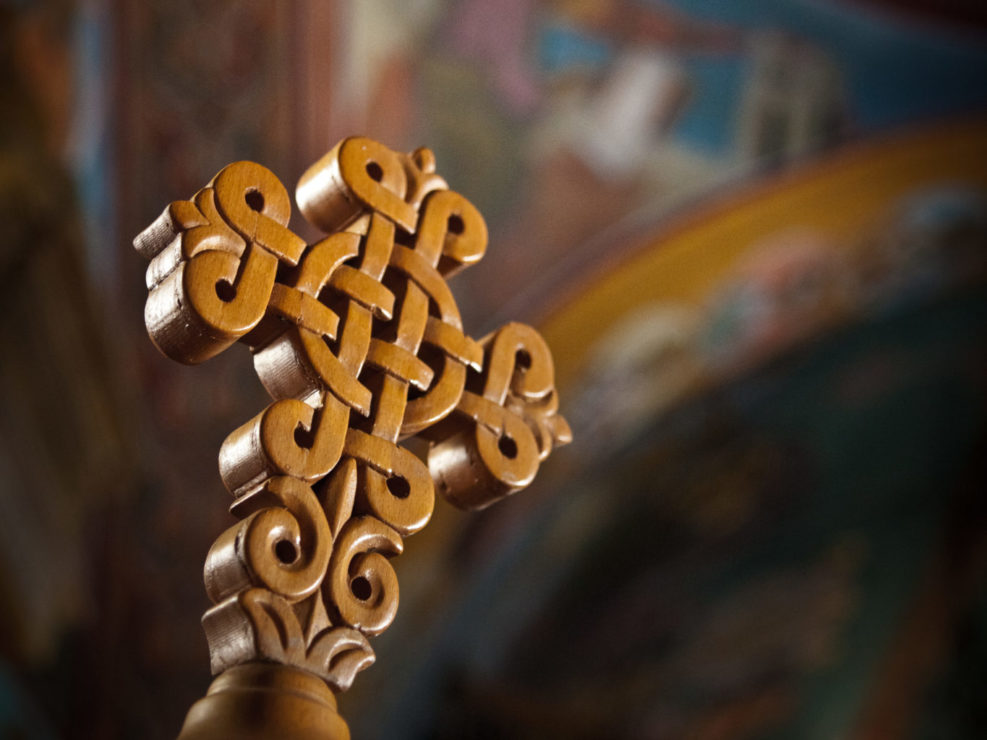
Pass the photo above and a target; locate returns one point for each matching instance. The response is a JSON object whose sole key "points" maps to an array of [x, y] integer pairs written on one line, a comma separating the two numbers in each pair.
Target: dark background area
{"points": [[771, 522]]}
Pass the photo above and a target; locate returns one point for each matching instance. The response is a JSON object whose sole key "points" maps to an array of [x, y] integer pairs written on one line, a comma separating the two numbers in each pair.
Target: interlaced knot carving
{"points": [[359, 341]]}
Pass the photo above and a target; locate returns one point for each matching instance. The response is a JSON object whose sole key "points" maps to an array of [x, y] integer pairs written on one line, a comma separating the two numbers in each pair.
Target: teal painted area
{"points": [[709, 120], [895, 72]]}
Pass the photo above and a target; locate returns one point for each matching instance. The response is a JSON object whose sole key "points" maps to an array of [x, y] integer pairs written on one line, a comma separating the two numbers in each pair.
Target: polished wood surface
{"points": [[359, 341]]}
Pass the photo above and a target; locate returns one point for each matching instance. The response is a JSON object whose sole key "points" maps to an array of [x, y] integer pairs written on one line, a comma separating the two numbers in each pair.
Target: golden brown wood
{"points": [[359, 341], [260, 701]]}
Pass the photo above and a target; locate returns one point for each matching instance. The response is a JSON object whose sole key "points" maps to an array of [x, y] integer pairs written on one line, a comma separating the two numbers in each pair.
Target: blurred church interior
{"points": [[755, 237]]}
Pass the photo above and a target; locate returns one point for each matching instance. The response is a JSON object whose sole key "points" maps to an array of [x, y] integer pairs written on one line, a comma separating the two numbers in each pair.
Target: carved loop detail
{"points": [[283, 544], [362, 584]]}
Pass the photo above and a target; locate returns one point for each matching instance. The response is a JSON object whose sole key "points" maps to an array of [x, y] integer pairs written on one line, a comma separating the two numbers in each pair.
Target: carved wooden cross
{"points": [[359, 341]]}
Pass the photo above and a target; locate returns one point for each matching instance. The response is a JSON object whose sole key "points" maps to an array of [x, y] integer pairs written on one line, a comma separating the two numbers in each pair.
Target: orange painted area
{"points": [[841, 198]]}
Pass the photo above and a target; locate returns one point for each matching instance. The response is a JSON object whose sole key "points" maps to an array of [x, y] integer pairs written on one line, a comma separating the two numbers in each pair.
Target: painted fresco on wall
{"points": [[566, 120], [753, 234]]}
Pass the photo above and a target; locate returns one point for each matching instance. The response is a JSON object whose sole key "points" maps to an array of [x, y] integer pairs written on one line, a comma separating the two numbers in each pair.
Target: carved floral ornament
{"points": [[359, 341]]}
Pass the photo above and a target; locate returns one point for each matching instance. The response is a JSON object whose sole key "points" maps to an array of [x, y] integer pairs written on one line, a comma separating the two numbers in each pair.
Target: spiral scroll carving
{"points": [[360, 344]]}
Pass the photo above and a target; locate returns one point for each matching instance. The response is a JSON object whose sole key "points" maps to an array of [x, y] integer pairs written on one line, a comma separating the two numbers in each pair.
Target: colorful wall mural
{"points": [[754, 234]]}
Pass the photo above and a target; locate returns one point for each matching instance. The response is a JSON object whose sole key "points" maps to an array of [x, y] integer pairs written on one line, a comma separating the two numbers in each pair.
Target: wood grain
{"points": [[360, 344]]}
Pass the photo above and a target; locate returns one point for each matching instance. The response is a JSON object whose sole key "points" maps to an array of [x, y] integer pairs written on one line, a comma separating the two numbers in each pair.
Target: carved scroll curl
{"points": [[500, 434], [362, 584], [214, 261], [282, 544]]}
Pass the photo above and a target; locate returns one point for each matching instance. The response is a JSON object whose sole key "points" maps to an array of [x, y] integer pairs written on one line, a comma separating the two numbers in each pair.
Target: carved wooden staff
{"points": [[359, 341]]}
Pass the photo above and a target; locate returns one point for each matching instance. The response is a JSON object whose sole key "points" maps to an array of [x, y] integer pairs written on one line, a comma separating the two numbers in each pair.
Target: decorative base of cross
{"points": [[256, 701]]}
